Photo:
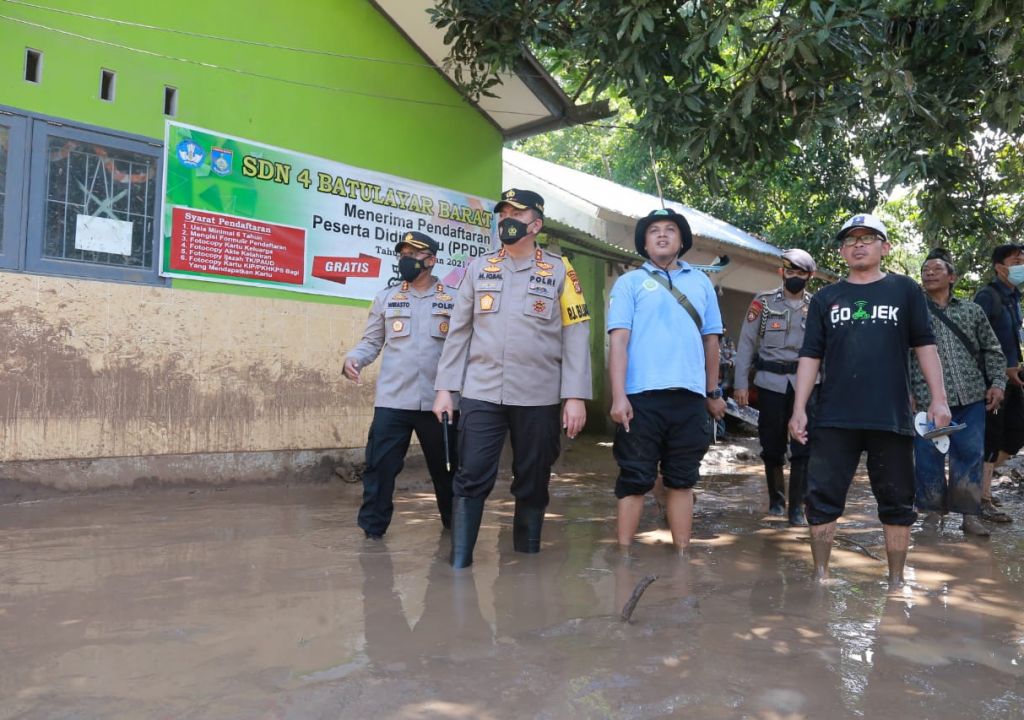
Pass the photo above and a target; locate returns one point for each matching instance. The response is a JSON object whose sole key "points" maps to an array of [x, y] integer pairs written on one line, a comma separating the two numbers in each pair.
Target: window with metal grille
{"points": [[99, 204], [91, 196]]}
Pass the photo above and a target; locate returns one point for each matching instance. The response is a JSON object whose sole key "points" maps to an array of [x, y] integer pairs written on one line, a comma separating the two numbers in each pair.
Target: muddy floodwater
{"points": [[267, 603]]}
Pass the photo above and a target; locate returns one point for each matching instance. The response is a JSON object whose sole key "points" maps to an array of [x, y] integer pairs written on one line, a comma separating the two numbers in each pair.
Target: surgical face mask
{"points": [[511, 231], [795, 284], [409, 268], [1015, 274]]}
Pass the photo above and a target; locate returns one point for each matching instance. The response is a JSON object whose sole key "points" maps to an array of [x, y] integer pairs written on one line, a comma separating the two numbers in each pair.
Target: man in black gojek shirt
{"points": [[859, 332]]}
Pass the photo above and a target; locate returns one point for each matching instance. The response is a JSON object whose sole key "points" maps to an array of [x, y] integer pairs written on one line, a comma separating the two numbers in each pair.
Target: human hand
{"points": [[351, 370]]}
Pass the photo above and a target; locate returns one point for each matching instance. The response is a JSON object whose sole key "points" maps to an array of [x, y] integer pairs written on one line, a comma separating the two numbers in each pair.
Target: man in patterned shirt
{"points": [[973, 373]]}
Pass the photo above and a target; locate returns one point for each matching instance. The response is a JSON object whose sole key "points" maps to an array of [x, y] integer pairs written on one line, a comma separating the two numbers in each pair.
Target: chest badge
{"points": [[443, 327], [543, 273], [492, 268], [397, 326], [399, 296], [486, 302], [540, 306], [649, 285], [775, 325], [545, 265]]}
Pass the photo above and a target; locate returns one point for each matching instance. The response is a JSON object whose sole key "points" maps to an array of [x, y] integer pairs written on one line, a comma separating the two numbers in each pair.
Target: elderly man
{"points": [[972, 371]]}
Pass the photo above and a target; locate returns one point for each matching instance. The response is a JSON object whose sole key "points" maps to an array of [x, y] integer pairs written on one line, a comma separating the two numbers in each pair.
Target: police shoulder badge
{"points": [[755, 310]]}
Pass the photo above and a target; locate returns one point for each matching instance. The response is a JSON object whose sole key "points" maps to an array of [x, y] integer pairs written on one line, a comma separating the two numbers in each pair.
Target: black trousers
{"points": [[390, 433], [534, 431], [1004, 430], [774, 410]]}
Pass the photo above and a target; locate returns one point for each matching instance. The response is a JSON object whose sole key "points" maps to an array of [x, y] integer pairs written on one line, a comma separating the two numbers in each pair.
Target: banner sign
{"points": [[238, 211]]}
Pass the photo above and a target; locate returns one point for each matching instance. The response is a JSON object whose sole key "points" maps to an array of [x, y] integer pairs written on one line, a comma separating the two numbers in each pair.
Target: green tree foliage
{"points": [[763, 105]]}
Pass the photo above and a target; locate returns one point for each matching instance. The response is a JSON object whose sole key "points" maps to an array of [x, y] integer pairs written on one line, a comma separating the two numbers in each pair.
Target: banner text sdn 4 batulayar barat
{"points": [[240, 211]]}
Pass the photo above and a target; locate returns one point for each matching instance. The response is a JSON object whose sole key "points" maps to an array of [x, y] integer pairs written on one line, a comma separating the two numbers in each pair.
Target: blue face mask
{"points": [[1015, 274]]}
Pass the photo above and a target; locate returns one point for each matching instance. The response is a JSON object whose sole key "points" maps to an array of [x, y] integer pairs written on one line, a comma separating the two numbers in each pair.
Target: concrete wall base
{"points": [[36, 479]]}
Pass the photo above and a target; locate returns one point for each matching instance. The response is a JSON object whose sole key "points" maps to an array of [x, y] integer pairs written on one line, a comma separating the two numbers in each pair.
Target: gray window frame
{"points": [[28, 183], [14, 192]]}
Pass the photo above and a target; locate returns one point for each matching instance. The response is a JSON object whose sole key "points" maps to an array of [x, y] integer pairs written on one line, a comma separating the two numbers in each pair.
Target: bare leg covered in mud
{"points": [[822, 537], [897, 541], [679, 509], [630, 509], [680, 517]]}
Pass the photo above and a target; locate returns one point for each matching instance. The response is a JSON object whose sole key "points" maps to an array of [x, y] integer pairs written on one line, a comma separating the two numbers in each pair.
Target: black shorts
{"points": [[670, 428], [835, 454], [1004, 430]]}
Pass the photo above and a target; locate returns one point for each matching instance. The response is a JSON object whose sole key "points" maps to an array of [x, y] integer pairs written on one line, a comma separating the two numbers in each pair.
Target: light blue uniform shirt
{"points": [[665, 348]]}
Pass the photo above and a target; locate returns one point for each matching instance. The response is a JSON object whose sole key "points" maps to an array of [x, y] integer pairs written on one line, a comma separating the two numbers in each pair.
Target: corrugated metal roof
{"points": [[609, 196]]}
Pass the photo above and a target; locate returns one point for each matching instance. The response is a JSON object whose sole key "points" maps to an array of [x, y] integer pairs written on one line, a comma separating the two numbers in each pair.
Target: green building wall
{"points": [[340, 104], [164, 382]]}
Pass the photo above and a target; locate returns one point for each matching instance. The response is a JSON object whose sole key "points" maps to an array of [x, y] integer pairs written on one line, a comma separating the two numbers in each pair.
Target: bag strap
{"points": [[680, 298], [962, 337]]}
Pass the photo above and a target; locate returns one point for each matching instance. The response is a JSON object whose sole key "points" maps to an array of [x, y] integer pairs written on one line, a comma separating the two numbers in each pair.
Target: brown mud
{"points": [[266, 603]]}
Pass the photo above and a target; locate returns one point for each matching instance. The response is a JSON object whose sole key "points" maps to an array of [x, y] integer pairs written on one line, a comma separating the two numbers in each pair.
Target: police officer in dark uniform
{"points": [[410, 321], [770, 341]]}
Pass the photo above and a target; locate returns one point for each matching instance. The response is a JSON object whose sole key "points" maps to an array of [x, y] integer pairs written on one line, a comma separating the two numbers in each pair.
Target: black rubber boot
{"points": [[526, 527], [797, 492], [466, 516], [776, 489]]}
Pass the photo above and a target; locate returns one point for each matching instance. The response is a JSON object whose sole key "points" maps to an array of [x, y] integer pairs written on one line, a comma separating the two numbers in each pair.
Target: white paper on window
{"points": [[98, 234]]}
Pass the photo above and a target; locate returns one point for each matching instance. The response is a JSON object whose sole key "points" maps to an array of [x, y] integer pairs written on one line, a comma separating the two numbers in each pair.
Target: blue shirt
{"points": [[665, 348], [1002, 306]]}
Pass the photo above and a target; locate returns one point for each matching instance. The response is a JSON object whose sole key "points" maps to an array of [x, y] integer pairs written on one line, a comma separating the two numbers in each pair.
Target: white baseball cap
{"points": [[866, 221]]}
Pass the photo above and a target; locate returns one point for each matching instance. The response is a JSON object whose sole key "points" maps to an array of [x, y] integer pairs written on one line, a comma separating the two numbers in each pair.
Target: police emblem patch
{"points": [[649, 285], [775, 325], [443, 327], [755, 311], [540, 306], [397, 325], [486, 302]]}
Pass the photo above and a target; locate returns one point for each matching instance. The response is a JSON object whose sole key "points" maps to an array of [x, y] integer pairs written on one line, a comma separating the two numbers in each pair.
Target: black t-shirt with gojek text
{"points": [[862, 334]]}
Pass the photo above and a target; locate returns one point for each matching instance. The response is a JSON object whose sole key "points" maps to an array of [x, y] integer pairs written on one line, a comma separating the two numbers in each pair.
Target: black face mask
{"points": [[795, 284], [409, 268], [511, 231]]}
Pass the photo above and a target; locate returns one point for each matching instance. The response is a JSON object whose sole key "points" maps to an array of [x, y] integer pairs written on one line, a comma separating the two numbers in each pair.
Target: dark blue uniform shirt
{"points": [[1004, 316]]}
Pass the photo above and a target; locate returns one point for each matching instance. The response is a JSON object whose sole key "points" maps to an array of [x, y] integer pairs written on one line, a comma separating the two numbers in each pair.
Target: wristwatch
{"points": [[715, 394]]}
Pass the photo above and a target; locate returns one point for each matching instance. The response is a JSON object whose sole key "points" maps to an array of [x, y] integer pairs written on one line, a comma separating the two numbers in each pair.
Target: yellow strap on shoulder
{"points": [[574, 305]]}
